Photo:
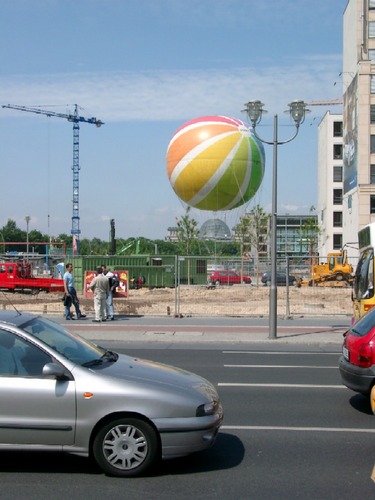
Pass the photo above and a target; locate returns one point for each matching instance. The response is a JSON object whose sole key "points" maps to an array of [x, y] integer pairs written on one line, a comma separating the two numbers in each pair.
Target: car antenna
{"points": [[11, 303]]}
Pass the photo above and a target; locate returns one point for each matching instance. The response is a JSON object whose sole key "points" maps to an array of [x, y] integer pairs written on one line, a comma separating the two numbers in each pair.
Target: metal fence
{"points": [[245, 300], [201, 299], [236, 301]]}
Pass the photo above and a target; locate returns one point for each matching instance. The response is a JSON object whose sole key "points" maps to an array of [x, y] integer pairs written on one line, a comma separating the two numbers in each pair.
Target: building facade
{"points": [[297, 236], [358, 118], [330, 182]]}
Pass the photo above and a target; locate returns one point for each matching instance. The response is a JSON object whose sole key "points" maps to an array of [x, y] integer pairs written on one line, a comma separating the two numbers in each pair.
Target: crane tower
{"points": [[75, 119]]}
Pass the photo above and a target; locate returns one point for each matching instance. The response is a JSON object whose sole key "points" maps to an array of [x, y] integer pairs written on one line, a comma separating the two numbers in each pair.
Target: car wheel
{"points": [[126, 447], [268, 283], [217, 282]]}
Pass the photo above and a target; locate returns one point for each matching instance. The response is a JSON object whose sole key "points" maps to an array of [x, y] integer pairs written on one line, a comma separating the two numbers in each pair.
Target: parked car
{"points": [[60, 392], [357, 363], [228, 278], [281, 279]]}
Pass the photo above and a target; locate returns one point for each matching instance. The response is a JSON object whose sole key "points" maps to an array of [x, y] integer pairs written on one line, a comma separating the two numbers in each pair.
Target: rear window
{"points": [[364, 325]]}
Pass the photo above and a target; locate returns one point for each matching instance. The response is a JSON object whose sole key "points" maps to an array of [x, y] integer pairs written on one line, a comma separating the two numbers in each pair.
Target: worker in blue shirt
{"points": [[71, 294]]}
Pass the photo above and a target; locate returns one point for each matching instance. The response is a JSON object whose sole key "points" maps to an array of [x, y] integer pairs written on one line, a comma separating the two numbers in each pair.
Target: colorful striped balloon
{"points": [[215, 163]]}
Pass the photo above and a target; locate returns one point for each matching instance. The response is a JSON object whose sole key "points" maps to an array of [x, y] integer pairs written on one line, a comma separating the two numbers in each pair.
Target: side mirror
{"points": [[54, 370]]}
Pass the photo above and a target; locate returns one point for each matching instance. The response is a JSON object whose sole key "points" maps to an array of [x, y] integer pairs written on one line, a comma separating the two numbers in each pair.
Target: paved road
{"points": [[291, 431]]}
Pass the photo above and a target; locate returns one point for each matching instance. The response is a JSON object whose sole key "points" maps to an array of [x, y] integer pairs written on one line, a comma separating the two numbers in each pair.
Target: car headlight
{"points": [[207, 409]]}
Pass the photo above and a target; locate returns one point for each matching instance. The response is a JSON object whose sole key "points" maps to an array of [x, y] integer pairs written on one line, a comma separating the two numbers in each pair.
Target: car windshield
{"points": [[364, 325], [70, 345]]}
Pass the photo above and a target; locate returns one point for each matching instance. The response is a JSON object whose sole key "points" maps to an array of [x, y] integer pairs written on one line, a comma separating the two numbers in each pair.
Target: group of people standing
{"points": [[103, 286]]}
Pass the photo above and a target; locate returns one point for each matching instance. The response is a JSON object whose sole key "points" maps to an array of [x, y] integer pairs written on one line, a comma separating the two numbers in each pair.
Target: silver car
{"points": [[59, 392]]}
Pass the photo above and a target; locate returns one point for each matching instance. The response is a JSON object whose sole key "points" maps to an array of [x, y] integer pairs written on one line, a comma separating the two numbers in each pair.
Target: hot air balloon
{"points": [[215, 163]]}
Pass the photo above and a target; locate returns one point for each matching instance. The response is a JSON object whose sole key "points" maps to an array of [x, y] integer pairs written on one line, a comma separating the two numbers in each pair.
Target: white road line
{"points": [[303, 429], [285, 352], [282, 386], [281, 366]]}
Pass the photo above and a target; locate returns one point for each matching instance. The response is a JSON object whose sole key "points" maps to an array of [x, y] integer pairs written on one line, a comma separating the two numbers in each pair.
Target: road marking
{"points": [[282, 386], [284, 352], [280, 366], [301, 429]]}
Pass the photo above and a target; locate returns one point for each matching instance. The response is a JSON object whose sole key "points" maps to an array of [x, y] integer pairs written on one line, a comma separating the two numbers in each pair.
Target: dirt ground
{"points": [[241, 300]]}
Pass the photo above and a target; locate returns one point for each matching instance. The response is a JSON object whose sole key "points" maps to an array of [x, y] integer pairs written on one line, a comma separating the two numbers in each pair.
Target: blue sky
{"points": [[144, 67]]}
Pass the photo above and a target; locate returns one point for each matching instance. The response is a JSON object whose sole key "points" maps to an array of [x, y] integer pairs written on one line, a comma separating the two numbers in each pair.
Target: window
{"points": [[337, 219], [337, 127], [371, 55], [337, 174], [372, 143], [372, 114], [372, 84], [371, 29], [337, 196], [372, 204], [20, 358], [293, 222], [371, 4], [372, 174], [337, 151], [201, 266], [337, 241]]}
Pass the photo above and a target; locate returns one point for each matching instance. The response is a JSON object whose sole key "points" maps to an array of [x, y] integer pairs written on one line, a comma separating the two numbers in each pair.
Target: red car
{"points": [[228, 278], [357, 363]]}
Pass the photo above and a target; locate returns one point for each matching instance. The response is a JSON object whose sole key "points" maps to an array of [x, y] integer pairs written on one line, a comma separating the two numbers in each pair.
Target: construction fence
{"points": [[206, 299], [181, 286], [236, 301]]}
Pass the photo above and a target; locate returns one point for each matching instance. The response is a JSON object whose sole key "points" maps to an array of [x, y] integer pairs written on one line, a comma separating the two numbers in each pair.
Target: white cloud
{"points": [[297, 209], [175, 95]]}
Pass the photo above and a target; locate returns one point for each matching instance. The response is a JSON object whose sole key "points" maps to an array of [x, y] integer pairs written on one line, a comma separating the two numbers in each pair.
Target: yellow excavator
{"points": [[335, 272]]}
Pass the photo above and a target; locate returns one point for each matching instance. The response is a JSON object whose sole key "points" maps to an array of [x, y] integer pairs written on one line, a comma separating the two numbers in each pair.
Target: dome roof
{"points": [[215, 229]]}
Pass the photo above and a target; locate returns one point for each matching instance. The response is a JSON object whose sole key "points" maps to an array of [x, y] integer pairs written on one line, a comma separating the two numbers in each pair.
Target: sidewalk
{"points": [[310, 331]]}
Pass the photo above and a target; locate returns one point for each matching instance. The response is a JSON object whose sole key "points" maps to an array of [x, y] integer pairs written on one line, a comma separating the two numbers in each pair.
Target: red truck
{"points": [[18, 276]]}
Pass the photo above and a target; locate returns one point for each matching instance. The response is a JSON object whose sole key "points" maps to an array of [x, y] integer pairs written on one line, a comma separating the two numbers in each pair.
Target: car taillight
{"points": [[365, 355]]}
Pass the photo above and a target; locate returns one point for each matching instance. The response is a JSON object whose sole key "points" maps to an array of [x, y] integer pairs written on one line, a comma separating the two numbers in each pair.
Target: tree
{"points": [[11, 232], [187, 234], [252, 233], [165, 247], [310, 233]]}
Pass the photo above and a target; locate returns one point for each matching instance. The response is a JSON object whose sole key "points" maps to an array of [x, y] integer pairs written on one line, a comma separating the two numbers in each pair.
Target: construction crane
{"points": [[329, 102], [75, 119]]}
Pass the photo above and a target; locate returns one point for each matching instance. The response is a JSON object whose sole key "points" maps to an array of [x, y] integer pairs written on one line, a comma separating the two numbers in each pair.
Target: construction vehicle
{"points": [[335, 272], [130, 244], [19, 277], [76, 120]]}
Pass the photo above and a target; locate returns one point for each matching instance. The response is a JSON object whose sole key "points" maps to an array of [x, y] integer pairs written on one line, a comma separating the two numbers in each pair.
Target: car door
{"points": [[34, 409]]}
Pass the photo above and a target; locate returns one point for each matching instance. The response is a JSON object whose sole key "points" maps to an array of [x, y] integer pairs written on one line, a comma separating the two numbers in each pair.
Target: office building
{"points": [[330, 184], [358, 118]]}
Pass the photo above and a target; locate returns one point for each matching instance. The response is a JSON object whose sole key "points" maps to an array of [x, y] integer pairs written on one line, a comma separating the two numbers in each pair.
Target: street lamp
{"points": [[27, 219], [297, 111]]}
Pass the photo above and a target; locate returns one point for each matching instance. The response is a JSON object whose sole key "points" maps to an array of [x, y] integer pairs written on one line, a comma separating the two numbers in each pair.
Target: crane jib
{"points": [[75, 119]]}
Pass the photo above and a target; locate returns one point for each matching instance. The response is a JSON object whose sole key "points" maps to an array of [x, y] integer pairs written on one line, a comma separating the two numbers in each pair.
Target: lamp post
{"points": [[297, 111], [27, 219]]}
